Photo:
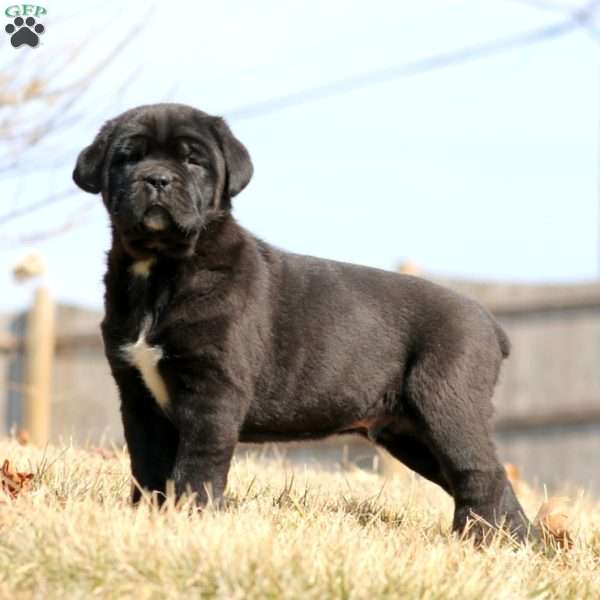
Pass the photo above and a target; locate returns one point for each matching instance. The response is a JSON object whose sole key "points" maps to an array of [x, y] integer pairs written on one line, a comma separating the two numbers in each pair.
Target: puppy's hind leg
{"points": [[413, 453], [449, 403]]}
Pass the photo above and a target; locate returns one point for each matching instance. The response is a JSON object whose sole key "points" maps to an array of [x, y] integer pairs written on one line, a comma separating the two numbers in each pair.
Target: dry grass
{"points": [[286, 534]]}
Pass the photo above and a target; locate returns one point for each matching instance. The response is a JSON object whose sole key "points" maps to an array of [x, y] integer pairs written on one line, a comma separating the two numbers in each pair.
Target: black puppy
{"points": [[215, 337]]}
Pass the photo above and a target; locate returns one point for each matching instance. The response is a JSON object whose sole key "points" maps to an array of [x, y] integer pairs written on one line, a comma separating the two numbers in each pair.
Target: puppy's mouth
{"points": [[157, 220], [158, 233]]}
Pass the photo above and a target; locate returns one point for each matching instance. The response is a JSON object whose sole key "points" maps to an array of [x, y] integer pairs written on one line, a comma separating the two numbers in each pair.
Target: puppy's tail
{"points": [[503, 339]]}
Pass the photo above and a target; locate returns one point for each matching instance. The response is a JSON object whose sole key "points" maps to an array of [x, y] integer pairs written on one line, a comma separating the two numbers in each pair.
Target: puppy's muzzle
{"points": [[156, 219]]}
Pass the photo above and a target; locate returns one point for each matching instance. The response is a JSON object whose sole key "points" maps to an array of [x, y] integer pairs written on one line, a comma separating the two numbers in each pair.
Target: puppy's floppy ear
{"points": [[237, 159], [88, 170]]}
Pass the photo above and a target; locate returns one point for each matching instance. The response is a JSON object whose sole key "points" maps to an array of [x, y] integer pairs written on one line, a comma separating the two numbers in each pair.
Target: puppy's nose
{"points": [[158, 181], [156, 219]]}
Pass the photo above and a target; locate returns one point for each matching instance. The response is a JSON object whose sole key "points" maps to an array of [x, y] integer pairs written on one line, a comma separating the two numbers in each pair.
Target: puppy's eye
{"points": [[128, 156], [131, 151], [196, 160]]}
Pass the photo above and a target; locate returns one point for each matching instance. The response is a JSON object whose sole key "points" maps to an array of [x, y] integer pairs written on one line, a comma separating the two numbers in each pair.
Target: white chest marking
{"points": [[142, 268], [145, 358]]}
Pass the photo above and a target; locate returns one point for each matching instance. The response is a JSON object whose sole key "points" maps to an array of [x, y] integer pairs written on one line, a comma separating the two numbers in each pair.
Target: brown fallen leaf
{"points": [[522, 490], [13, 482], [512, 473], [22, 437], [553, 519]]}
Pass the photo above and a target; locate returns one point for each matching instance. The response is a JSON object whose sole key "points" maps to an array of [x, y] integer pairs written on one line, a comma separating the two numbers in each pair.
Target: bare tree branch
{"points": [[35, 115]]}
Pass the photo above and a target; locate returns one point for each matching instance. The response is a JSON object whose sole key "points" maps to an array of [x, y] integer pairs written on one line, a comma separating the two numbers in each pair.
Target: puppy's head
{"points": [[164, 171]]}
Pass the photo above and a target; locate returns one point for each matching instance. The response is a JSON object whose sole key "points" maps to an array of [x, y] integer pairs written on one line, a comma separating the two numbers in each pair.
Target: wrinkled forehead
{"points": [[162, 125]]}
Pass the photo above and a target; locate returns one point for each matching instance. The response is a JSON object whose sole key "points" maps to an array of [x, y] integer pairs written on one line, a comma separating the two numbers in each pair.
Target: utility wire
{"points": [[595, 35], [383, 75], [545, 5], [583, 17], [418, 67]]}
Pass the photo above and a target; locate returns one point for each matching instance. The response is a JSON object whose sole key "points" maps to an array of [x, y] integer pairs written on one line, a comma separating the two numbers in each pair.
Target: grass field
{"points": [[300, 533]]}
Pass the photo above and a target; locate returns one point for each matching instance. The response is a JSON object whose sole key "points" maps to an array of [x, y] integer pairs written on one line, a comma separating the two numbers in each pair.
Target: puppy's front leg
{"points": [[151, 438], [208, 425]]}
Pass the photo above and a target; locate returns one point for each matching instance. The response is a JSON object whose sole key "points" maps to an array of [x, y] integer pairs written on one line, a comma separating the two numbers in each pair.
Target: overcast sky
{"points": [[485, 170]]}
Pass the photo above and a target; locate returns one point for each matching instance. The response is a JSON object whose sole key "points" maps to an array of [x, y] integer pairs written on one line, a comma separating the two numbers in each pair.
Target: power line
{"points": [[581, 16], [545, 5], [418, 67], [380, 76], [583, 20]]}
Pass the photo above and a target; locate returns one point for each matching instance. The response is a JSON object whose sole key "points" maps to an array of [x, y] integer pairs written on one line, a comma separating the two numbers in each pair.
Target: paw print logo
{"points": [[24, 32]]}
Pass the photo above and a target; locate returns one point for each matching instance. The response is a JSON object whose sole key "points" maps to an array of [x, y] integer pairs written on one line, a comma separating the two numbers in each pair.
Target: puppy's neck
{"points": [[218, 244]]}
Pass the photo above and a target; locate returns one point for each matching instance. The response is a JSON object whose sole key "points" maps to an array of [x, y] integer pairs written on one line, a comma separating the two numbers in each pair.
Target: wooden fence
{"points": [[547, 403]]}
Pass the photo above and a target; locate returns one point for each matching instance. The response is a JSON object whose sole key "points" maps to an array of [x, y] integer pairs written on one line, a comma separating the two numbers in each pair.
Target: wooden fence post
{"points": [[39, 354]]}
